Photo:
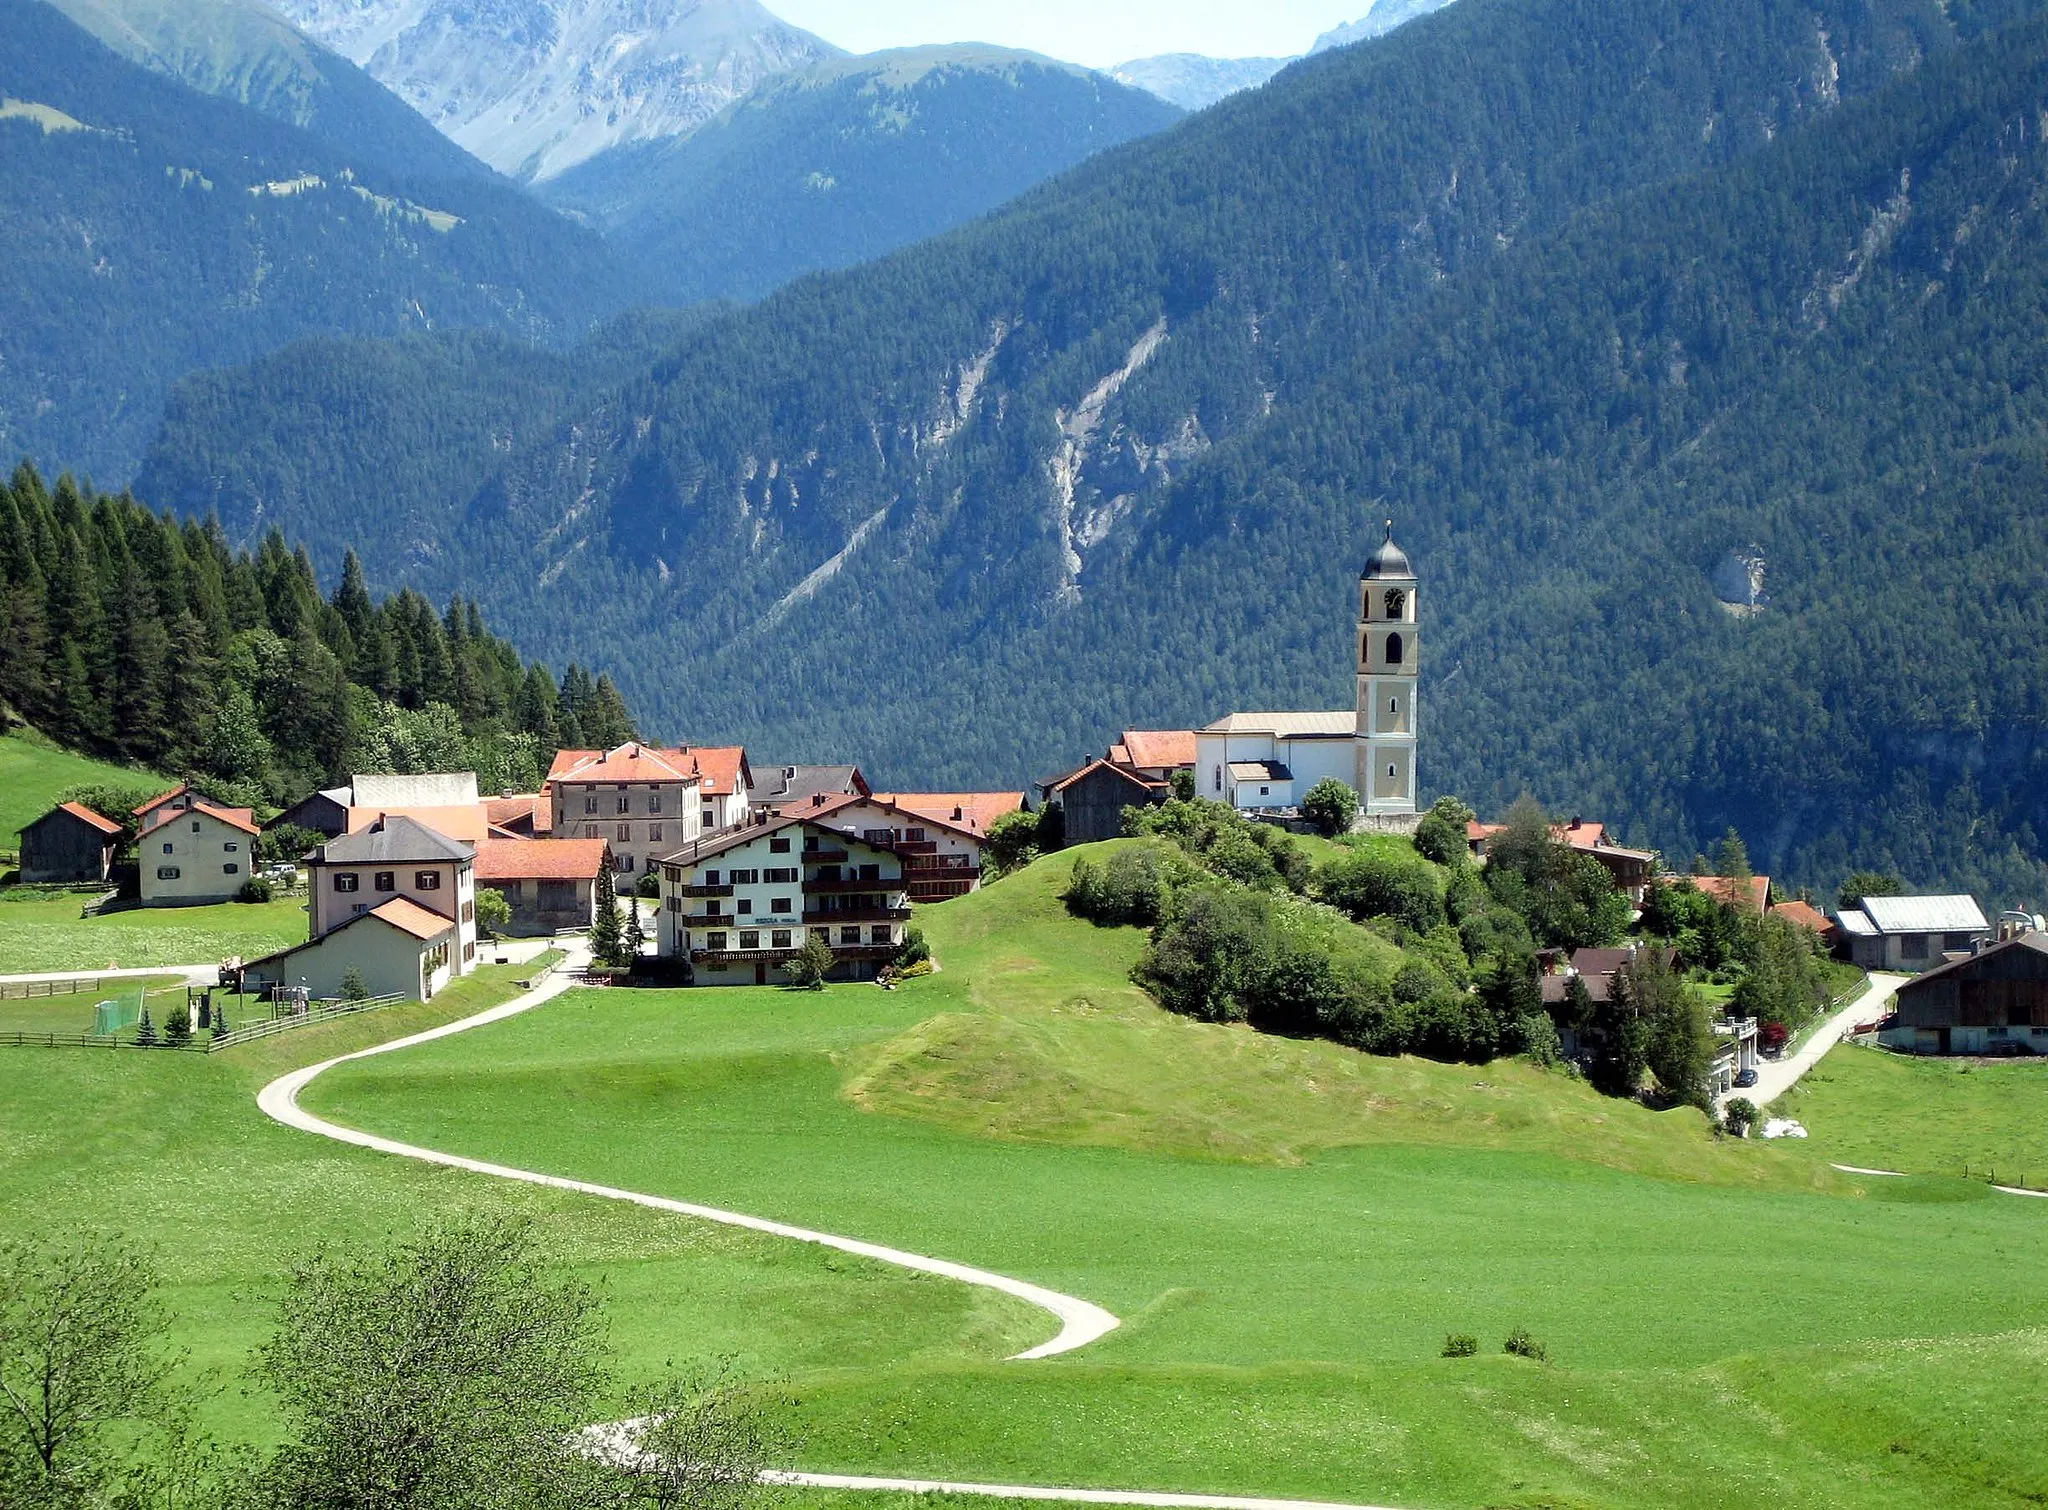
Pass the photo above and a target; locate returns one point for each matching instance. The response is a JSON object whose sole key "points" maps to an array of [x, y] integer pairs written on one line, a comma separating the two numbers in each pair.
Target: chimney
{"points": [[958, 814]]}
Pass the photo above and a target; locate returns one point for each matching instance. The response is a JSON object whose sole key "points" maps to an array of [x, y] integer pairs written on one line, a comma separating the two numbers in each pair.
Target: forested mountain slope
{"points": [[847, 160], [244, 51], [1586, 294], [153, 229]]}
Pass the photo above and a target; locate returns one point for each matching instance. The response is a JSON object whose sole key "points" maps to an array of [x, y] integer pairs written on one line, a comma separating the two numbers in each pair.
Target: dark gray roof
{"points": [[799, 783], [1389, 561], [396, 840]]}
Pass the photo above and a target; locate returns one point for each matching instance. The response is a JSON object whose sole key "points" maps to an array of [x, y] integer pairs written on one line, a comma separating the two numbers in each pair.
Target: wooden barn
{"points": [[1092, 799], [1994, 1002], [69, 843]]}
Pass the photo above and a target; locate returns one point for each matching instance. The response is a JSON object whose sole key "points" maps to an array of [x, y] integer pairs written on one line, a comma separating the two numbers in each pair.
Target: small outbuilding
{"points": [[1992, 1002], [1911, 933], [1091, 799], [70, 842], [398, 947]]}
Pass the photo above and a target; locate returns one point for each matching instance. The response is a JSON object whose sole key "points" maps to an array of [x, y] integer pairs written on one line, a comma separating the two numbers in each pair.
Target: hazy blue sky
{"points": [[1094, 32]]}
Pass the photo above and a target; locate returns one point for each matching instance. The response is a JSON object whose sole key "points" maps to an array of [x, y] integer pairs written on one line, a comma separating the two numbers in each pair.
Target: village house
{"points": [[70, 842], [940, 846], [1803, 914], [551, 884], [1735, 1038], [398, 857], [1630, 868], [396, 948], [1749, 895], [450, 794], [1153, 755], [740, 904], [1911, 933], [1091, 799], [517, 815], [644, 801], [191, 852], [793, 786], [1991, 1002]]}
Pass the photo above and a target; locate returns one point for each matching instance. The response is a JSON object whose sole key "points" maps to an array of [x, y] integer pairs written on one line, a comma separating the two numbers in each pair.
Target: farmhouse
{"points": [[399, 857], [1267, 762], [192, 852], [1992, 1002], [1091, 799], [551, 884], [738, 905], [70, 842], [1911, 933], [398, 947], [646, 801]]}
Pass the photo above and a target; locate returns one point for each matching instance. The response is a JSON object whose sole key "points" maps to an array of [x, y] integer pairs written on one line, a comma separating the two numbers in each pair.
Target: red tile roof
{"points": [[421, 922], [1805, 915], [1750, 894], [718, 767], [154, 802], [974, 811], [1159, 747], [242, 818], [539, 860], [106, 826], [506, 810]]}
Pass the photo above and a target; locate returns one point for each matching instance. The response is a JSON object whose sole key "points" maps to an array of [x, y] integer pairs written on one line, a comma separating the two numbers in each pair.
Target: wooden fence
{"points": [[201, 1041], [28, 990]]}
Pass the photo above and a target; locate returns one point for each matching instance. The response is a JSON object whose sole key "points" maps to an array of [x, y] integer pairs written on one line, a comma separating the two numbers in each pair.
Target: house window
{"points": [[879, 934], [625, 833], [871, 873], [385, 880], [1393, 650], [745, 877], [1393, 705], [468, 911], [654, 833], [589, 804], [714, 941], [778, 938], [849, 935], [654, 803], [750, 939], [710, 878], [231, 848], [1265, 791], [810, 842], [779, 905], [744, 904], [167, 849], [913, 835], [1955, 942], [1391, 772], [779, 846], [822, 936], [195, 825], [709, 817], [346, 880], [625, 862], [469, 951], [625, 805], [426, 880], [231, 868], [167, 872], [1218, 778], [779, 875]]}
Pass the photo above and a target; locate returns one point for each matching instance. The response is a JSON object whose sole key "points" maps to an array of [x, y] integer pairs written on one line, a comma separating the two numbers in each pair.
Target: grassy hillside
{"points": [[1928, 1116], [46, 933], [33, 772], [1287, 1237]]}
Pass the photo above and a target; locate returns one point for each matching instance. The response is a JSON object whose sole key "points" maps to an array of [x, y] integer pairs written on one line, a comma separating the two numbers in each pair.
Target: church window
{"points": [[1393, 650], [1218, 780], [1393, 705], [1391, 772], [1397, 600]]}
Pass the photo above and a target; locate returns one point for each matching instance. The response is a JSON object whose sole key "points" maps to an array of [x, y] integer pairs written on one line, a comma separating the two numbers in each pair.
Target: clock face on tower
{"points": [[1396, 601]]}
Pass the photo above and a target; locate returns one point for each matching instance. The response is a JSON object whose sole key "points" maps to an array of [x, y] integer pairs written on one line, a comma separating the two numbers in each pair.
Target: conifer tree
{"points": [[606, 938]]}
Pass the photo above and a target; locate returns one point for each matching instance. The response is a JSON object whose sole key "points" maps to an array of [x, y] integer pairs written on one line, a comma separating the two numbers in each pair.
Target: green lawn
{"points": [[1880, 1110], [33, 773], [1288, 1232], [72, 1012], [40, 932]]}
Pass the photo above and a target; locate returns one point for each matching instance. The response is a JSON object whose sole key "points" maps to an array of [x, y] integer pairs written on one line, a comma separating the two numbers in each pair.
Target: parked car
{"points": [[1745, 1080], [283, 871]]}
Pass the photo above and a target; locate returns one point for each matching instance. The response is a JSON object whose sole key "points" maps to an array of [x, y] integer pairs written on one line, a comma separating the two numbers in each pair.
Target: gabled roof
{"points": [[515, 809], [1750, 893], [466, 821], [394, 840], [720, 768], [1288, 725], [423, 923], [747, 833], [1163, 747], [790, 784], [540, 859], [440, 789], [1803, 915], [2037, 942], [1061, 783], [242, 818], [156, 802], [973, 811], [1944, 914], [86, 815]]}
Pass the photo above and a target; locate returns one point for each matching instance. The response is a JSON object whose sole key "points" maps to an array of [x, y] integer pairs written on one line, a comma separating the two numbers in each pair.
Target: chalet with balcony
{"points": [[739, 905], [940, 840], [646, 801]]}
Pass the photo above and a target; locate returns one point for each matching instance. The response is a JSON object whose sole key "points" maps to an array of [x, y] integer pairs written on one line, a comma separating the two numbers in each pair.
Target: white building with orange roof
{"points": [[939, 835], [646, 801], [191, 851]]}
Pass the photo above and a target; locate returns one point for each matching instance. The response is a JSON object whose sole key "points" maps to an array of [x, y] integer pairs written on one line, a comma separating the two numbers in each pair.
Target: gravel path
{"points": [[1775, 1077]]}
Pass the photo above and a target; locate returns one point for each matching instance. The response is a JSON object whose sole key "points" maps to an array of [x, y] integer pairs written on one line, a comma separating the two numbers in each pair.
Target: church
{"points": [[1269, 761]]}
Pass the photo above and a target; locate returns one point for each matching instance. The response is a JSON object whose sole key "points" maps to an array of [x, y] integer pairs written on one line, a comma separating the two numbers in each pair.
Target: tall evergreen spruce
{"points": [[607, 941]]}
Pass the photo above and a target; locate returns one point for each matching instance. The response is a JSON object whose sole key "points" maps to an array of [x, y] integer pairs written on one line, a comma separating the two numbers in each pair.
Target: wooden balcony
{"points": [[874, 884], [859, 915], [824, 857], [706, 891]]}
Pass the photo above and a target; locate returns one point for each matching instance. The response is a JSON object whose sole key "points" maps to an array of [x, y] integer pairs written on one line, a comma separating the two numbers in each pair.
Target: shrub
{"points": [[1537, 1035], [812, 963], [352, 985], [1129, 888], [649, 884], [1460, 1345], [1370, 884], [1740, 1116], [1012, 843], [1522, 1345], [493, 911], [1441, 836], [915, 951], [1331, 806], [255, 889], [912, 972]]}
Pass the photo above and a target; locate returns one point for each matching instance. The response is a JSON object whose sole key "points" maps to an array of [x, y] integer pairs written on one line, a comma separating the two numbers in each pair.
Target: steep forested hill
{"points": [[1587, 293], [154, 229], [847, 160]]}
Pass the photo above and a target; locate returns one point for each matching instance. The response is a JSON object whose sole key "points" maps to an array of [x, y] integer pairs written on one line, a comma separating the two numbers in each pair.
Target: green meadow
{"points": [[1879, 1110], [1287, 1229], [72, 1011], [44, 932], [34, 773]]}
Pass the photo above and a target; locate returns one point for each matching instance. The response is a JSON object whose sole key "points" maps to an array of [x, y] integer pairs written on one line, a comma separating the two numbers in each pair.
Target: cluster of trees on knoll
{"points": [[448, 1372], [1396, 946], [145, 639]]}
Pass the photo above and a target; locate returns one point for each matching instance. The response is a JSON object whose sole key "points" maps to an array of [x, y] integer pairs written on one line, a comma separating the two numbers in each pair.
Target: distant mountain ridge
{"points": [[1195, 82], [848, 160], [534, 87]]}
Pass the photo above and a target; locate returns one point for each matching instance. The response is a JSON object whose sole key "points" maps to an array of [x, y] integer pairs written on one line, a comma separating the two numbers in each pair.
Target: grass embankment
{"points": [[72, 1012], [171, 1150], [1880, 1110], [42, 932], [1288, 1257], [34, 772]]}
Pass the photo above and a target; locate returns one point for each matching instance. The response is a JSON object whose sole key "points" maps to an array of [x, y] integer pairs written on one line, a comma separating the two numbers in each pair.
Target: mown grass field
{"points": [[72, 1011], [1288, 1233], [1879, 1110], [34, 773], [41, 932]]}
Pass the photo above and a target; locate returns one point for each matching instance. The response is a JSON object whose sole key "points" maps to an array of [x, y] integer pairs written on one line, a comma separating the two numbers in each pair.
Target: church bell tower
{"points": [[1389, 651]]}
